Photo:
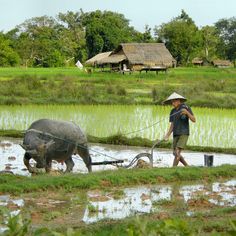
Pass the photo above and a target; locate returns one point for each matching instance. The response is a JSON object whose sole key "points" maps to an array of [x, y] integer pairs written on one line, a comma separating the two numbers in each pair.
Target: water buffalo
{"points": [[47, 140]]}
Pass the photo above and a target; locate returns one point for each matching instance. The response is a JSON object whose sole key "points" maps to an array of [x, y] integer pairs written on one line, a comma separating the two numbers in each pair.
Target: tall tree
{"points": [[23, 45], [72, 35], [210, 42], [181, 37], [8, 57], [185, 17], [147, 35], [105, 31], [227, 32], [44, 47]]}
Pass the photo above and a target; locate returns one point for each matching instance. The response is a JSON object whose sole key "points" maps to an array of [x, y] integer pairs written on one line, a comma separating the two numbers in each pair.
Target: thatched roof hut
{"points": [[222, 63], [94, 60], [197, 61], [138, 55]]}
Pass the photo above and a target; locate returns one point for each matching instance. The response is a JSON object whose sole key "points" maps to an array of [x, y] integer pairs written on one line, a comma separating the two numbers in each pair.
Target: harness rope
{"points": [[82, 146], [149, 126], [68, 141]]}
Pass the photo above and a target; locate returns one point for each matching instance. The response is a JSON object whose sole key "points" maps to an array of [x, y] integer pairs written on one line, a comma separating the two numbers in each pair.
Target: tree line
{"points": [[62, 40]]}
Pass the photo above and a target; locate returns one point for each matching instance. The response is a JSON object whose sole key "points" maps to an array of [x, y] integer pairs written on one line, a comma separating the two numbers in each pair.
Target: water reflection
{"points": [[135, 201], [142, 200], [121, 203]]}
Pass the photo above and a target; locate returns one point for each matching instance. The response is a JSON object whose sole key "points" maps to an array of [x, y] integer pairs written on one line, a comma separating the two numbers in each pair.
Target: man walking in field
{"points": [[179, 125]]}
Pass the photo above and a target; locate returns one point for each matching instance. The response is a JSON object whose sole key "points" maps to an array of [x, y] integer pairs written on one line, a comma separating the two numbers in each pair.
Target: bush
{"points": [[154, 94], [120, 91], [110, 89], [141, 227]]}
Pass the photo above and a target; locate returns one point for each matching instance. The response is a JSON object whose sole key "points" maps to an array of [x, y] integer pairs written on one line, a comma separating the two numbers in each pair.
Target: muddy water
{"points": [[11, 155], [150, 199], [135, 201], [76, 208]]}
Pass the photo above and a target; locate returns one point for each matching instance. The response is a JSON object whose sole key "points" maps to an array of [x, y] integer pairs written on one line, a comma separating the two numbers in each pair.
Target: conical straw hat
{"points": [[174, 96]]}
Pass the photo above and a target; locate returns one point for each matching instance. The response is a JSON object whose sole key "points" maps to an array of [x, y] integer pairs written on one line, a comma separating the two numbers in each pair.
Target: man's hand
{"points": [[166, 137], [184, 112], [190, 116]]}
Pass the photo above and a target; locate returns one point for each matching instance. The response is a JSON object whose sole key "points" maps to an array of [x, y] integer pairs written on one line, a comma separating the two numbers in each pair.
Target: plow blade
{"points": [[107, 162]]}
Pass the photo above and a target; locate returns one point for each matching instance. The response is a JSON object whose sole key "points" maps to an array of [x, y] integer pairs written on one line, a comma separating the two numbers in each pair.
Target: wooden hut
{"points": [[221, 63], [139, 56], [94, 60], [197, 61]]}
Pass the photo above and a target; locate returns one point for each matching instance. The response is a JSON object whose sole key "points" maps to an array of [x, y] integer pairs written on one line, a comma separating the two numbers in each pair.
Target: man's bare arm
{"points": [[166, 137], [190, 116]]}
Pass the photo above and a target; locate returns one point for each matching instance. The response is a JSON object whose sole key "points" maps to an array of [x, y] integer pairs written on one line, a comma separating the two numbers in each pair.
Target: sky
{"points": [[139, 12]]}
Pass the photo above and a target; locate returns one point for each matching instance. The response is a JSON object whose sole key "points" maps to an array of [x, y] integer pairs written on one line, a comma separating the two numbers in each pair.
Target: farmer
{"points": [[179, 125]]}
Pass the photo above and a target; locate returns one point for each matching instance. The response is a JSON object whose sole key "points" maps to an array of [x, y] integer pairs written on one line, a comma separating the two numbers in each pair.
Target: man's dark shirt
{"points": [[180, 122]]}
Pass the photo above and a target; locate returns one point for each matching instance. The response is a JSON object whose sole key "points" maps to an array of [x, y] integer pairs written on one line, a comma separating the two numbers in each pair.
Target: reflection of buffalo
{"points": [[48, 140]]}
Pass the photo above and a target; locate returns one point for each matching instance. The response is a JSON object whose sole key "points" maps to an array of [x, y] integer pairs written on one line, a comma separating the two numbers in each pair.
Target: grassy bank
{"points": [[137, 141], [215, 222], [204, 87], [105, 179]]}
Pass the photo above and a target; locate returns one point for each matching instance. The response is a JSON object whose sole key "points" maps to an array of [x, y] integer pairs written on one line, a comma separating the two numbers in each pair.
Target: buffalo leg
{"points": [[27, 157], [69, 164], [39, 165], [84, 154], [48, 165]]}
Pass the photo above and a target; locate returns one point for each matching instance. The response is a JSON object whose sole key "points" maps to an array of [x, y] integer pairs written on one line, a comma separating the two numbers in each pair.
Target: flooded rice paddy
{"points": [[92, 206], [51, 209], [11, 154], [214, 127]]}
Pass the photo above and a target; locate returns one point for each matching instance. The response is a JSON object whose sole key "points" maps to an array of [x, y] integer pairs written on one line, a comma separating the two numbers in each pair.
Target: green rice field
{"points": [[214, 127]]}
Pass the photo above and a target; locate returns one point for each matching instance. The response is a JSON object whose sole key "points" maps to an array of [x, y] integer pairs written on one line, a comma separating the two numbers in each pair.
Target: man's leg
{"points": [[175, 141], [180, 145], [182, 160], [177, 157]]}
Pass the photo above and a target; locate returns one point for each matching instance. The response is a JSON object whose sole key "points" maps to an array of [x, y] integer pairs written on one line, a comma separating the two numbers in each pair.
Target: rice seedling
{"points": [[214, 127]]}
